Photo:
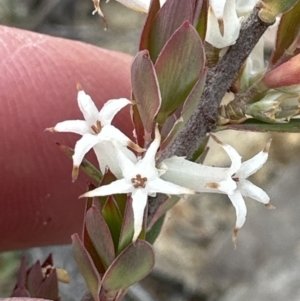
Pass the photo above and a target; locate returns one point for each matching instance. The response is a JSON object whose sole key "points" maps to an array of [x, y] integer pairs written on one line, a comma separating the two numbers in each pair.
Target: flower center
{"points": [[97, 128], [138, 181], [235, 179]]}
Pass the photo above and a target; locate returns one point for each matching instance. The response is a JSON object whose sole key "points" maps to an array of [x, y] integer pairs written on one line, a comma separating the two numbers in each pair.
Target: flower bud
{"points": [[286, 74], [275, 107], [270, 9]]}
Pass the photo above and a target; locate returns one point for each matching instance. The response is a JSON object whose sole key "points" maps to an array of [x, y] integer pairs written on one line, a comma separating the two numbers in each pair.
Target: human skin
{"points": [[39, 204]]}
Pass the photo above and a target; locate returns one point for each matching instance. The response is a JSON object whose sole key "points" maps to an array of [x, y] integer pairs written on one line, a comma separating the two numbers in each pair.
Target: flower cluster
{"points": [[140, 177]]}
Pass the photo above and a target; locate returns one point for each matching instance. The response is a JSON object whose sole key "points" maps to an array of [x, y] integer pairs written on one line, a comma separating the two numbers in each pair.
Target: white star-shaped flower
{"points": [[98, 133], [232, 181], [140, 179], [248, 189]]}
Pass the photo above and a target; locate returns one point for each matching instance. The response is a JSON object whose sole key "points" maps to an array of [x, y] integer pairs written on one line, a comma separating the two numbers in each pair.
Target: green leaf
{"points": [[153, 233], [169, 18], [86, 267], [289, 23], [187, 110], [201, 23], [184, 51], [113, 218], [270, 9], [132, 265], [87, 167], [127, 230], [257, 126], [163, 208], [107, 179], [87, 242], [153, 10], [100, 235], [146, 90]]}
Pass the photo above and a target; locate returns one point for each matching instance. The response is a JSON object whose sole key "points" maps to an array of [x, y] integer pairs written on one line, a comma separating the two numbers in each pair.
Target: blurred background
{"points": [[196, 260]]}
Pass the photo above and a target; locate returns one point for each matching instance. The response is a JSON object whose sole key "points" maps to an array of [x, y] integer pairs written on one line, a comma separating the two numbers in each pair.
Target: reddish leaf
{"points": [[34, 279], [146, 90], [86, 267], [153, 9], [100, 235], [184, 51], [127, 230], [49, 287], [87, 242], [169, 18], [138, 126], [132, 265]]}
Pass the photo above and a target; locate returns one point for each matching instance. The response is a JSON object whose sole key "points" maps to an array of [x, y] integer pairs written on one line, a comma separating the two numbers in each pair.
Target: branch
{"points": [[219, 80]]}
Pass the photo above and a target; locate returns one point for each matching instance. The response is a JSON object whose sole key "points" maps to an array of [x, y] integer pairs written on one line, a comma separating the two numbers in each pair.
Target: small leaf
{"points": [[289, 22], [127, 230], [270, 9], [100, 235], [113, 218], [87, 242], [188, 109], [132, 265], [163, 208], [138, 125], [85, 166], [257, 126], [86, 267], [153, 233], [153, 9], [49, 287], [146, 90], [201, 21], [34, 279], [184, 51], [107, 179], [169, 18]]}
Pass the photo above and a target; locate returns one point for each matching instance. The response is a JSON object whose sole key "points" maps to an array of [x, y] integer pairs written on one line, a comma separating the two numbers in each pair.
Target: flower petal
{"points": [[227, 186], [74, 126], [241, 212], [248, 189], [106, 154], [161, 186], [196, 176], [149, 156], [111, 133], [127, 166], [252, 165], [110, 109], [82, 146], [87, 107], [116, 187], [236, 159], [139, 202]]}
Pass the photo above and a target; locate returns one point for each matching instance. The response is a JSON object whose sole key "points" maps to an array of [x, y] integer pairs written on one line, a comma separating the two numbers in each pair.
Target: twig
{"points": [[219, 79]]}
